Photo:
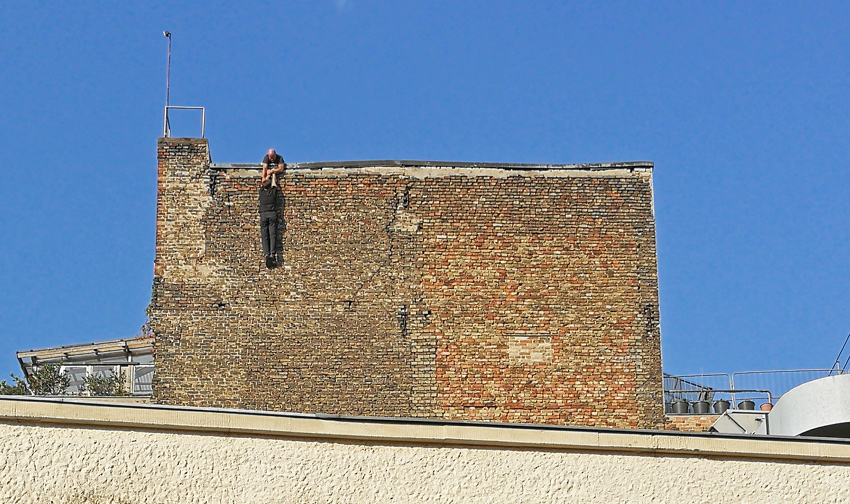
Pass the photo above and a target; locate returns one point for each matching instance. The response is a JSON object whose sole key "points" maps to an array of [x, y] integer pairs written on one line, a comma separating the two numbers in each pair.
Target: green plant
{"points": [[19, 386], [48, 379], [109, 385], [146, 329]]}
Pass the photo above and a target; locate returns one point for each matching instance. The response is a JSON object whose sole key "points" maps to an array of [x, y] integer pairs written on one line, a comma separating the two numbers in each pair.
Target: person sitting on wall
{"points": [[272, 165], [268, 194]]}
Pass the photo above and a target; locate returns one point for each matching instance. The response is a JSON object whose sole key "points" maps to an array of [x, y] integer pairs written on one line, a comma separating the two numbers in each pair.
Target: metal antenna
{"points": [[166, 127]]}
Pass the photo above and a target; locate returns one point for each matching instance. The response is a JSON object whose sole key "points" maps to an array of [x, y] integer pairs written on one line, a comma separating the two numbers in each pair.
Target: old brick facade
{"points": [[477, 292], [690, 423]]}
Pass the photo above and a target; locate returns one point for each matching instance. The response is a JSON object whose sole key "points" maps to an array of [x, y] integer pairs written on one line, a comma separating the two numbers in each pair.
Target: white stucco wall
{"points": [[817, 403], [75, 453]]}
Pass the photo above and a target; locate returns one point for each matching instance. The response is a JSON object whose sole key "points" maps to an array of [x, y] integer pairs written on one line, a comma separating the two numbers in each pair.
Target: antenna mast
{"points": [[166, 127]]}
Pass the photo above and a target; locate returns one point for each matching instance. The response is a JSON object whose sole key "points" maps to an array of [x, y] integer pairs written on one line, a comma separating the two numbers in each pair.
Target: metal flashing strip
{"points": [[627, 165]]}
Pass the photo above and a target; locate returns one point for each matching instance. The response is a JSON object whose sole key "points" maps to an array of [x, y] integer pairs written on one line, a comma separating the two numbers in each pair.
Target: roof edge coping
{"points": [[15, 409], [318, 165]]}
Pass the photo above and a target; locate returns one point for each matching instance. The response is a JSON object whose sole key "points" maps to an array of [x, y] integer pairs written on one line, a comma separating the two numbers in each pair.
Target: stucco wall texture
{"points": [[504, 293], [68, 464]]}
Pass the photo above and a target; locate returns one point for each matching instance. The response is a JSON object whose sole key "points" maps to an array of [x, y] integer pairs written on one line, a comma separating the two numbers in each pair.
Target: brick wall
{"points": [[465, 292], [690, 423]]}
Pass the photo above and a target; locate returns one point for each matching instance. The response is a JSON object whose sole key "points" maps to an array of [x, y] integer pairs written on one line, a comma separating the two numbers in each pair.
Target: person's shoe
{"points": [[269, 262]]}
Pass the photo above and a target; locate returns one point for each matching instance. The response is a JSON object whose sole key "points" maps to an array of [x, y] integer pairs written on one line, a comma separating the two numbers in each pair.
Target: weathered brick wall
{"points": [[690, 423], [474, 293]]}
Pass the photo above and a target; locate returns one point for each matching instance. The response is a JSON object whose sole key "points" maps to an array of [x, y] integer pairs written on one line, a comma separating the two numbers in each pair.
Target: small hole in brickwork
{"points": [[404, 199]]}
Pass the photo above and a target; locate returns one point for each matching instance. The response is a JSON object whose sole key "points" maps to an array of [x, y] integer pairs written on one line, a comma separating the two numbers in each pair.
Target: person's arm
{"points": [[265, 167], [279, 168]]}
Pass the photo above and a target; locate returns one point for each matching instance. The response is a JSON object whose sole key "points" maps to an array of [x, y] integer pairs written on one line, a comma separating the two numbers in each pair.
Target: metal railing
{"points": [[166, 125], [737, 388], [695, 385], [778, 381], [837, 367]]}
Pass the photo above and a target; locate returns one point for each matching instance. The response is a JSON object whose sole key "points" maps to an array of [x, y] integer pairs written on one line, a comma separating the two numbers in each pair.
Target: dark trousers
{"points": [[268, 232]]}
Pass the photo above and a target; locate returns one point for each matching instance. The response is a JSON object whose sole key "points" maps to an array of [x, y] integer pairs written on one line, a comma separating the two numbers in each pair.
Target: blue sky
{"points": [[742, 106]]}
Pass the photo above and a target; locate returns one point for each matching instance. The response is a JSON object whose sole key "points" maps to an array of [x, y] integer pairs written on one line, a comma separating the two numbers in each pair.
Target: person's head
{"points": [[271, 153]]}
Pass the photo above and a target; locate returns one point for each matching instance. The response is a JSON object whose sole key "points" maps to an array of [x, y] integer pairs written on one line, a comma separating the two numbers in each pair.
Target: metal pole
{"points": [[838, 359], [165, 125]]}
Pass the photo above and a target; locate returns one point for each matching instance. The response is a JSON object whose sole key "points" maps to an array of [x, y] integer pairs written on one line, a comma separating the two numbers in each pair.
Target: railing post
{"points": [[165, 122], [128, 378], [732, 388]]}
